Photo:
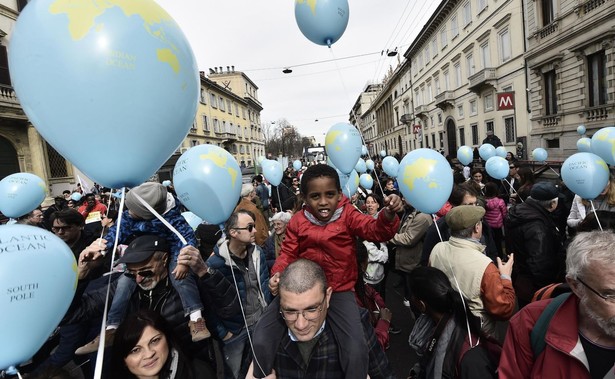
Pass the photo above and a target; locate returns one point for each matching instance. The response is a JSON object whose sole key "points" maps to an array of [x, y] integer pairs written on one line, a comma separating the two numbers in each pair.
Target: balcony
{"points": [[598, 113], [485, 78], [421, 111], [406, 119], [445, 99], [227, 136]]}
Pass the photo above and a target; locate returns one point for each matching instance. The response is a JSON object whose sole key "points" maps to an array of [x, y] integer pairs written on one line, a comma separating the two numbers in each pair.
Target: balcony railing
{"points": [[598, 113], [421, 111], [483, 78], [550, 121], [445, 99], [7, 95]]}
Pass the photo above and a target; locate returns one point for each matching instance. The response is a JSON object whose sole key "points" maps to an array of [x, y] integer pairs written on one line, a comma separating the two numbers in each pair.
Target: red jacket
{"points": [[563, 356], [332, 246]]}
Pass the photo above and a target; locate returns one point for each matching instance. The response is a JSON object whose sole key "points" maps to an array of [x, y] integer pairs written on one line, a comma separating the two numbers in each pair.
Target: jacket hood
{"points": [[525, 212]]}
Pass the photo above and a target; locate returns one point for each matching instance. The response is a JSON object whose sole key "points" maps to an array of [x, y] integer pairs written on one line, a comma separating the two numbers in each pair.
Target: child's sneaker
{"points": [[92, 346], [198, 330]]}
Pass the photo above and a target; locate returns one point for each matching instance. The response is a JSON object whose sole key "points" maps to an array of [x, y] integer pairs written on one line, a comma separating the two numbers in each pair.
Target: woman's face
{"points": [[372, 206], [149, 355], [389, 185], [478, 177], [279, 227]]}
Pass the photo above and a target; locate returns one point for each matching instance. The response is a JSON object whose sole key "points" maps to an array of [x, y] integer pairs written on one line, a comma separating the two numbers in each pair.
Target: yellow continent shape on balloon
{"points": [[220, 161], [310, 3], [82, 19], [331, 136], [419, 170], [602, 164]]}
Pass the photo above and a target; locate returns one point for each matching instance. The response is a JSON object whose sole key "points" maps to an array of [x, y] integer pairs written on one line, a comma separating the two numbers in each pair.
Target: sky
{"points": [[261, 38]]}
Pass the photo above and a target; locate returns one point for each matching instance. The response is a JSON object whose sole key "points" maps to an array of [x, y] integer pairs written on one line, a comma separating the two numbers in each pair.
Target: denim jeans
{"points": [[124, 290], [237, 355]]}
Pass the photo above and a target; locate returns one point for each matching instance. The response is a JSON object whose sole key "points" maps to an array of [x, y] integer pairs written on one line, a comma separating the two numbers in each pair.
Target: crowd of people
{"points": [[511, 278]]}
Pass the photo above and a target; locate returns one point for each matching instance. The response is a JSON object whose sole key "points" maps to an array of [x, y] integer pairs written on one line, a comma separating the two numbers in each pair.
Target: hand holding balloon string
{"points": [[393, 205]]}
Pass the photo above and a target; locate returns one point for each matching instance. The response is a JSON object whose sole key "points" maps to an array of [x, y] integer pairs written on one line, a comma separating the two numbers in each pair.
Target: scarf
{"points": [[173, 364], [337, 214], [278, 239]]}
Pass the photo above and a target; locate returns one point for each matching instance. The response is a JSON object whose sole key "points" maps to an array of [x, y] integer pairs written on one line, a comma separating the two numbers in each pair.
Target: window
{"points": [[488, 102], [433, 124], [489, 126], [426, 54], [482, 4], [596, 72], [231, 128], [470, 64], [454, 26], [474, 134], [242, 149], [443, 38], [460, 111], [553, 143], [236, 110], [422, 99], [214, 100], [467, 14], [434, 47], [433, 140], [203, 96], [224, 129], [420, 56], [194, 143], [485, 55], [439, 118], [429, 93], [447, 81], [57, 163], [509, 128], [505, 47], [457, 75], [462, 136], [243, 112], [21, 4], [221, 104], [229, 106], [550, 94], [473, 108], [205, 123], [547, 11], [216, 126], [437, 84]]}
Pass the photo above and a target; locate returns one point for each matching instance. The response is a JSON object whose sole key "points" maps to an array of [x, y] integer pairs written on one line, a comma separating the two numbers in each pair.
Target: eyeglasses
{"points": [[608, 298], [512, 167], [249, 228], [309, 314], [57, 229], [142, 273]]}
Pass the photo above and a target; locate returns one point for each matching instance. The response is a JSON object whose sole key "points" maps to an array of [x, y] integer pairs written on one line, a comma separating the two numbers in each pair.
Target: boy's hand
{"points": [[181, 271], [94, 251], [274, 281], [393, 204]]}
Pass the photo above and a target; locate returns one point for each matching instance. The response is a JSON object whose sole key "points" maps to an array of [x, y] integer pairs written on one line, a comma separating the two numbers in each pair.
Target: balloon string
{"points": [[437, 228], [277, 189], [556, 173], [513, 189], [159, 217], [100, 355], [596, 215]]}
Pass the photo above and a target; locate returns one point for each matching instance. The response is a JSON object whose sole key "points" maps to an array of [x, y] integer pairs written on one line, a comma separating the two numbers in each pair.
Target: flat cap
{"points": [[464, 216]]}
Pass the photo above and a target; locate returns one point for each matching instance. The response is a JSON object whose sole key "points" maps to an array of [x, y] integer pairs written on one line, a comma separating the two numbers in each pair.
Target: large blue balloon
{"points": [[21, 193], [364, 150], [500, 151], [207, 180], [343, 145], [122, 68], [425, 179], [539, 154], [390, 166], [76, 196], [360, 167], [465, 155], [349, 182], [322, 22], [486, 151], [273, 172], [497, 167], [586, 174], [584, 145], [603, 144], [366, 181], [38, 277]]}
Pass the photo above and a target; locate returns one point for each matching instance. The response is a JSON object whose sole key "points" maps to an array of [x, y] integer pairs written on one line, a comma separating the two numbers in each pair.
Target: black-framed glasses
{"points": [[608, 298], [309, 314], [148, 273], [64, 228], [512, 166], [249, 228]]}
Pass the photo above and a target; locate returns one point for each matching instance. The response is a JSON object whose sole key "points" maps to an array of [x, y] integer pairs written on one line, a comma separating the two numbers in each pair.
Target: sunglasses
{"points": [[249, 228], [144, 274]]}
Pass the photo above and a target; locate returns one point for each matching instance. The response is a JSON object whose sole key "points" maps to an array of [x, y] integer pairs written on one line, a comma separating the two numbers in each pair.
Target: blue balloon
{"points": [[581, 129], [166, 183], [465, 155], [322, 22], [497, 167], [21, 193], [425, 179], [366, 181], [360, 167], [208, 182], [76, 196], [603, 144], [349, 182], [369, 164], [38, 277], [486, 151], [273, 172], [539, 154], [99, 70], [364, 150], [586, 174], [383, 153], [297, 165], [343, 145], [390, 166], [193, 220], [500, 151], [584, 145]]}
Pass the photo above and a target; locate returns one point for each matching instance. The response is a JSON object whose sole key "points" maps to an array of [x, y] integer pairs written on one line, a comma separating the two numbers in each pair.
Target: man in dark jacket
{"points": [[492, 139], [532, 235]]}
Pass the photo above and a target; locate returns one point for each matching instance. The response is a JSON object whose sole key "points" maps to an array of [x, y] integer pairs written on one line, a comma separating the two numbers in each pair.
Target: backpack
{"points": [[537, 336]]}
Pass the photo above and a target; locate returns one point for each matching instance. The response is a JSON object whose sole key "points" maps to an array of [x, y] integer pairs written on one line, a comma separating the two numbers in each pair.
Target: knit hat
{"points": [[154, 194], [544, 191], [464, 216]]}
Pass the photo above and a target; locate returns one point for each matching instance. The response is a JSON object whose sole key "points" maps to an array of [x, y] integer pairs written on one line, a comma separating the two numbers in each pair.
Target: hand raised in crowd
{"points": [[506, 267], [274, 282], [392, 204], [93, 252], [386, 314], [190, 257]]}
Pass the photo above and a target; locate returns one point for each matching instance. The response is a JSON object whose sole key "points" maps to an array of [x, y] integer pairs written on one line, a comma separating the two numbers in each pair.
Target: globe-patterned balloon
{"points": [[585, 174], [322, 21], [207, 181], [21, 193], [122, 68], [343, 144], [581, 129], [349, 182], [500, 151], [584, 145], [425, 179], [603, 144], [539, 154], [366, 181], [465, 155]]}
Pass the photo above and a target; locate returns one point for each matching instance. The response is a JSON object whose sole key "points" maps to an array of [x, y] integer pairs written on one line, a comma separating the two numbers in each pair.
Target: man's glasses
{"points": [[249, 228], [512, 167], [309, 314], [57, 229], [142, 273], [608, 298]]}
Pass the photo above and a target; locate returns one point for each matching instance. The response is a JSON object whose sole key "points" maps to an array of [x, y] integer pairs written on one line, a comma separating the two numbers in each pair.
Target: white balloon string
{"points": [[510, 185], [437, 228], [556, 173], [277, 189], [159, 217], [596, 215], [100, 355]]}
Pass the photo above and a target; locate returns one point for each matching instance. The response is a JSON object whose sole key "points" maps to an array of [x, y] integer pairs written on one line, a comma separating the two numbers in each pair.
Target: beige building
{"points": [[570, 57], [363, 118]]}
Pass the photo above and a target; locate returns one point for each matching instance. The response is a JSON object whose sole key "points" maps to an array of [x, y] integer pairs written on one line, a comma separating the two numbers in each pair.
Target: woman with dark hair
{"points": [[526, 181], [144, 348], [440, 335]]}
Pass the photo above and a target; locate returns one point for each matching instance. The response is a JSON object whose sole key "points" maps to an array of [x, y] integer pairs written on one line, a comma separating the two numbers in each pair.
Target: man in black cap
{"points": [[533, 236]]}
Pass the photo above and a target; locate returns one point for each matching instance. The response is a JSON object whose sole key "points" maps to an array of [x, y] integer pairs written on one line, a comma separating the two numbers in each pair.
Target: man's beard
{"points": [[606, 325], [149, 285]]}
